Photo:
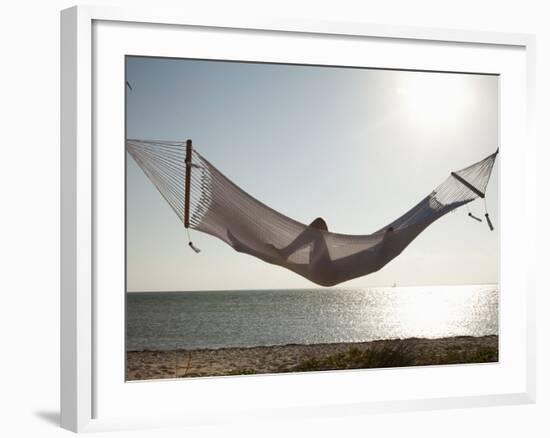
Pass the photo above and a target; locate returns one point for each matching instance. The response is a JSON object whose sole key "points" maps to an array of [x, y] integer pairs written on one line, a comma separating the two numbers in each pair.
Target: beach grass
{"points": [[385, 355], [398, 354]]}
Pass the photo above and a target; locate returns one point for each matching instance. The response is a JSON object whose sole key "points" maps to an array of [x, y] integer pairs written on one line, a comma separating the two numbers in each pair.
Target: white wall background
{"points": [[29, 219]]}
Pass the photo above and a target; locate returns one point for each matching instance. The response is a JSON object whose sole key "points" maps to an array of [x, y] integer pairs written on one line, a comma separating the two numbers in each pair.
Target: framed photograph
{"points": [[253, 209]]}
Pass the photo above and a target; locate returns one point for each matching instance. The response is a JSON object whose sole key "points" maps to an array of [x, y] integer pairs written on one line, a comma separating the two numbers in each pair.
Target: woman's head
{"points": [[320, 224]]}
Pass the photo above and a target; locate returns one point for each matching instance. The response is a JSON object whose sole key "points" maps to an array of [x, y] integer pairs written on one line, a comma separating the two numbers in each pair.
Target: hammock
{"points": [[205, 200]]}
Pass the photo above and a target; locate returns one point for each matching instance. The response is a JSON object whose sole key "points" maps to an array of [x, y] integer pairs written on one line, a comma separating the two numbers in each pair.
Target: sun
{"points": [[432, 100]]}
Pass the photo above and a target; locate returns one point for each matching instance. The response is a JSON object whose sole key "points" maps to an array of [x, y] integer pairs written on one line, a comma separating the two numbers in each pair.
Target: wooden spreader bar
{"points": [[467, 184], [188, 154]]}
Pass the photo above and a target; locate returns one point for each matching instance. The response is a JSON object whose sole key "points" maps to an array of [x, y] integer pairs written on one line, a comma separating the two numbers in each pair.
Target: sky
{"points": [[356, 146]]}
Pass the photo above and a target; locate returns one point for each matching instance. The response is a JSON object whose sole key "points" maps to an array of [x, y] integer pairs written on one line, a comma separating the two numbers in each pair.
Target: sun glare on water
{"points": [[442, 311]]}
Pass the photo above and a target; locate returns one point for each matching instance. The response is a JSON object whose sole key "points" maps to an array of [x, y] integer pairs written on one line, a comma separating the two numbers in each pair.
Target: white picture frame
{"points": [[86, 378]]}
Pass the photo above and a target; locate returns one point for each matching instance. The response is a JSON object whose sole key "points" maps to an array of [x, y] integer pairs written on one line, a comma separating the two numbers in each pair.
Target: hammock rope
{"points": [[206, 200]]}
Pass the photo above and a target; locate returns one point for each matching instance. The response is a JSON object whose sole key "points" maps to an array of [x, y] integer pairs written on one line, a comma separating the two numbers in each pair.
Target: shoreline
{"points": [[226, 361]]}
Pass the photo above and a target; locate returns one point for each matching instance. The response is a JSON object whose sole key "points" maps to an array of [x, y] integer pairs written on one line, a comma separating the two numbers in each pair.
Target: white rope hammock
{"points": [[205, 200]]}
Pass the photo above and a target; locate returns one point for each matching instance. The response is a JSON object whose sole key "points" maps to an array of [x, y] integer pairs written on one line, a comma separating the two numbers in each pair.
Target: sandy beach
{"points": [[142, 365]]}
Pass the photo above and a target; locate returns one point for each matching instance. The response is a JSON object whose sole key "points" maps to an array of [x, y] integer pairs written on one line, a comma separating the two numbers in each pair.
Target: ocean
{"points": [[247, 318]]}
